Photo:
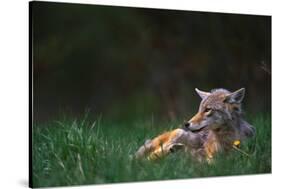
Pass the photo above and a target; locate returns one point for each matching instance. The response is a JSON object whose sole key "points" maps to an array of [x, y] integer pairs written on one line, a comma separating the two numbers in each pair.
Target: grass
{"points": [[74, 152]]}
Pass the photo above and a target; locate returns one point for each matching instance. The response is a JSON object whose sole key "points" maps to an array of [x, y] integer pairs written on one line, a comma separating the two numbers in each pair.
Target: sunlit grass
{"points": [[71, 152]]}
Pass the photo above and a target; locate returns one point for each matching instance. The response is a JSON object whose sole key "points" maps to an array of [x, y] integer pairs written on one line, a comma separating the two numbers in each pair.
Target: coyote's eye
{"points": [[208, 111]]}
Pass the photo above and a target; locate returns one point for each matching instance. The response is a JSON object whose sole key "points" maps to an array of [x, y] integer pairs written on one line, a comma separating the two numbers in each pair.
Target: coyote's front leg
{"points": [[168, 142]]}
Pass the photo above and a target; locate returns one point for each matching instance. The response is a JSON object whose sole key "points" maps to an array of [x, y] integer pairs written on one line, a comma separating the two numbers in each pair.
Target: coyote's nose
{"points": [[186, 124]]}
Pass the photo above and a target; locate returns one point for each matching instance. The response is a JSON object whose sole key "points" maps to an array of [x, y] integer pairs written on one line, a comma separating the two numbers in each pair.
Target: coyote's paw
{"points": [[143, 150]]}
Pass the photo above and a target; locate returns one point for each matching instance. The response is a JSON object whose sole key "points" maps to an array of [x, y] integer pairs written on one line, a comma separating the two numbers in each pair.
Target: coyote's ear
{"points": [[236, 97], [202, 94]]}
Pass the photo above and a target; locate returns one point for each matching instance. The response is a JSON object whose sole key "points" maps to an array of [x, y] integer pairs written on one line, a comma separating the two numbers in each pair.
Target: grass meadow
{"points": [[96, 151]]}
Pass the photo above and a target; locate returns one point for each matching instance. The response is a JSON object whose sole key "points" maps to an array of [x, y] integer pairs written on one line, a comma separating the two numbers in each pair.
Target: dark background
{"points": [[132, 63]]}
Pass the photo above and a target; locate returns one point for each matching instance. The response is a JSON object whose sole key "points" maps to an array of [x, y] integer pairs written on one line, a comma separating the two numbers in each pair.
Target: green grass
{"points": [[93, 152]]}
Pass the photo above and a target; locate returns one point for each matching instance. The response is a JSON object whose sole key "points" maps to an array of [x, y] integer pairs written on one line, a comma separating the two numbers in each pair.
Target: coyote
{"points": [[218, 123]]}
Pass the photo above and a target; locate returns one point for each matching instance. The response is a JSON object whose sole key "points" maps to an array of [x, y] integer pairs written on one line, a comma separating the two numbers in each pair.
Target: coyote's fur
{"points": [[218, 123]]}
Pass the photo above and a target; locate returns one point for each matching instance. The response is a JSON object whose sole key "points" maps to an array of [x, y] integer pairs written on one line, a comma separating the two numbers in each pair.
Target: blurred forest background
{"points": [[134, 63]]}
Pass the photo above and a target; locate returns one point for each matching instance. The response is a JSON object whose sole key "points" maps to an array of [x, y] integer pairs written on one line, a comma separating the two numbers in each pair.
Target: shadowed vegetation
{"points": [[100, 57]]}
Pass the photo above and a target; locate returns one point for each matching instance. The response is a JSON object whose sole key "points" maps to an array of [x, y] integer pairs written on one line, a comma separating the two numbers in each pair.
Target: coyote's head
{"points": [[220, 109]]}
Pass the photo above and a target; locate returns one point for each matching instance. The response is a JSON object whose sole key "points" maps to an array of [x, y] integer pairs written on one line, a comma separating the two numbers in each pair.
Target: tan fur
{"points": [[197, 118]]}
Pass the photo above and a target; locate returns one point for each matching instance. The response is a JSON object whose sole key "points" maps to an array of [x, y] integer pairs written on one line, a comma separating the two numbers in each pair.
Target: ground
{"points": [[86, 151]]}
